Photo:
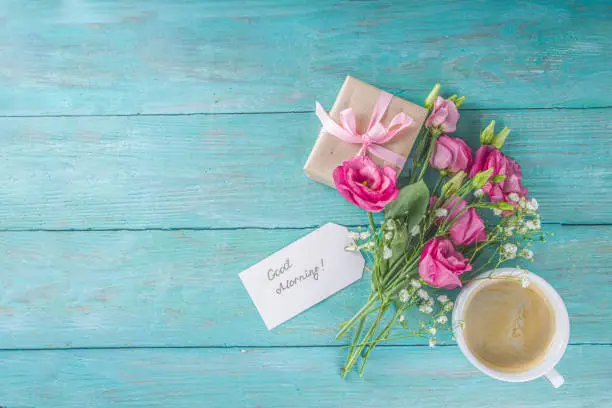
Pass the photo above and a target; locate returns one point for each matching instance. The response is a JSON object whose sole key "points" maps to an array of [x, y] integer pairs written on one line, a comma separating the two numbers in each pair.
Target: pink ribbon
{"points": [[376, 133]]}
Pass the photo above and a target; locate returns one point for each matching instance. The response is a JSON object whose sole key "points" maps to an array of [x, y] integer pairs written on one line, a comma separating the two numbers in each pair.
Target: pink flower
{"points": [[451, 154], [488, 157], [468, 228], [444, 115], [514, 179], [441, 264], [365, 184], [448, 204]]}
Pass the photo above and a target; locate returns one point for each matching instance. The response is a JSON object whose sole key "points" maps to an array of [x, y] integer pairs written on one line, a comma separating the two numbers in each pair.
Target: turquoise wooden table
{"points": [[151, 150]]}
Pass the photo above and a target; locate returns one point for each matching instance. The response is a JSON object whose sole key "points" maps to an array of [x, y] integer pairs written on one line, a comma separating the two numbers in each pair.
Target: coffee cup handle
{"points": [[554, 378]]}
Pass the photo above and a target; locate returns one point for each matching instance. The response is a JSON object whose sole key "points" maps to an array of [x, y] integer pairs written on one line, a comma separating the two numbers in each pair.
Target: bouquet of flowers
{"points": [[433, 238]]}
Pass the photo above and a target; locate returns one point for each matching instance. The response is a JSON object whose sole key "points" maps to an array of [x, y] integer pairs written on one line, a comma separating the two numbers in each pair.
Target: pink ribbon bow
{"points": [[375, 134]]}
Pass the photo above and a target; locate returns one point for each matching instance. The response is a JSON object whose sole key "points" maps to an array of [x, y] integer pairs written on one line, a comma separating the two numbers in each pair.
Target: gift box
{"points": [[360, 122]]}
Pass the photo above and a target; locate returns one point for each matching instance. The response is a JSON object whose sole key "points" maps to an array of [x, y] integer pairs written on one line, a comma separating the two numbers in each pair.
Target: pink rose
{"points": [[363, 183], [488, 157], [451, 154], [441, 264], [444, 115], [468, 228]]}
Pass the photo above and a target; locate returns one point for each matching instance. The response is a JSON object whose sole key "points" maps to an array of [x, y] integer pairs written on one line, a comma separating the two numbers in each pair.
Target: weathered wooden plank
{"points": [[246, 170], [280, 377], [155, 56], [177, 288]]}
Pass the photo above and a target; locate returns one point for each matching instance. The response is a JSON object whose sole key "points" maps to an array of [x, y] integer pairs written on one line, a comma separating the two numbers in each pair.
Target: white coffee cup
{"points": [[546, 368]]}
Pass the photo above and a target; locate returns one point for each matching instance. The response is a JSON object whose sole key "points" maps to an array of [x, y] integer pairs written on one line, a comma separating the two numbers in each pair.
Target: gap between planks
{"points": [[297, 112], [288, 228], [246, 348]]}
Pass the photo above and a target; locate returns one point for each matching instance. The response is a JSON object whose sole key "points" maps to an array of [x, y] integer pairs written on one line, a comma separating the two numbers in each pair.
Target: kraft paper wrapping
{"points": [[329, 152]]}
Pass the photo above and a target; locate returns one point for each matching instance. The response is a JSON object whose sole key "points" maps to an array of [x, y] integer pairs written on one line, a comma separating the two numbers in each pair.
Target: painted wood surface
{"points": [[122, 231], [287, 377], [180, 288], [114, 57], [246, 170]]}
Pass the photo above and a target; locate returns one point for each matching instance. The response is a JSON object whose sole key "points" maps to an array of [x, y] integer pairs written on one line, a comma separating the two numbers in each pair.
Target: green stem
{"points": [[432, 144], [394, 280], [352, 359], [421, 140], [352, 350], [380, 337], [361, 313], [372, 224], [437, 185]]}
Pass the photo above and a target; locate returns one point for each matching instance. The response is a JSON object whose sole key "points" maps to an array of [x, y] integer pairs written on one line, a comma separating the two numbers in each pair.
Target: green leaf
{"points": [[398, 244], [410, 205]]}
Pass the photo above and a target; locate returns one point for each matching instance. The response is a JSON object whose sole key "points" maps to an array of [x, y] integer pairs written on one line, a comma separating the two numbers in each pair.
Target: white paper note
{"points": [[302, 274]]}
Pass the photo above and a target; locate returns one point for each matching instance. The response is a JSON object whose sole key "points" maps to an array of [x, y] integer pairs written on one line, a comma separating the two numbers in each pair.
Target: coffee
{"points": [[507, 327]]}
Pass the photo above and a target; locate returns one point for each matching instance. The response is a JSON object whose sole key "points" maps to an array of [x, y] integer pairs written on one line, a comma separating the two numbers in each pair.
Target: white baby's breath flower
{"points": [[533, 225], [414, 231], [431, 302], [353, 235], [404, 296], [537, 224], [448, 307], [402, 318], [479, 193], [423, 294], [508, 231], [425, 309], [522, 202], [497, 211], [370, 245], [391, 224], [441, 212], [525, 282], [533, 205], [526, 253], [523, 230], [350, 247], [509, 251], [442, 319], [514, 197], [364, 235], [442, 298], [432, 342], [387, 253], [415, 283], [432, 331], [388, 235]]}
